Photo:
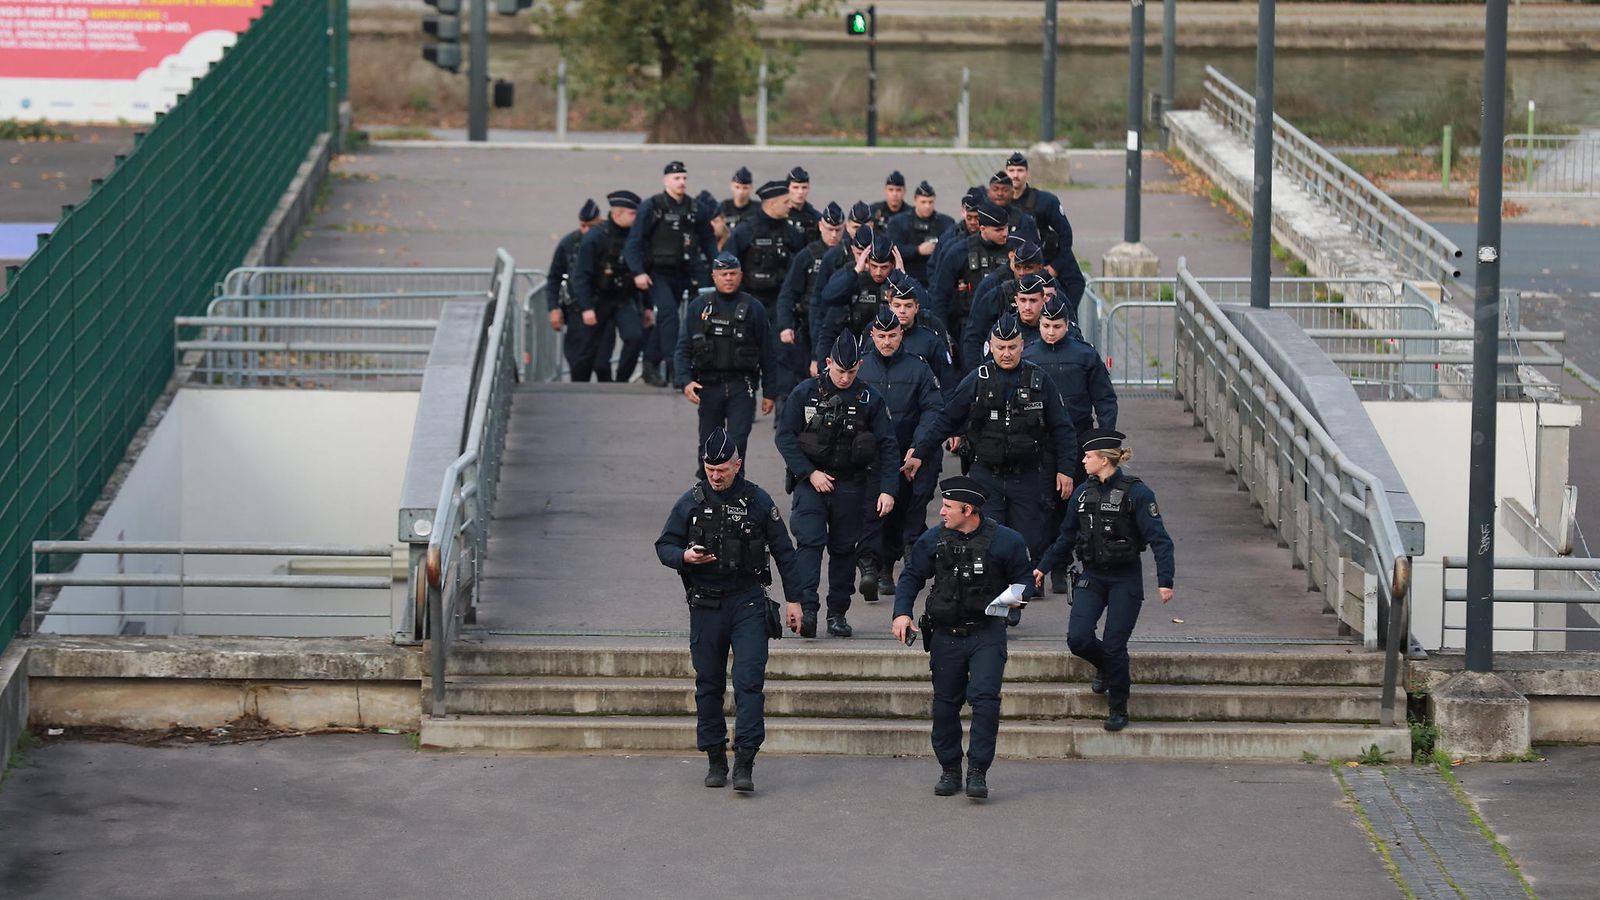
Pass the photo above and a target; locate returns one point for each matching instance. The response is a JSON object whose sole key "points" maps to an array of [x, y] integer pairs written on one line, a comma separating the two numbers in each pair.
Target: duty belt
{"points": [[964, 629]]}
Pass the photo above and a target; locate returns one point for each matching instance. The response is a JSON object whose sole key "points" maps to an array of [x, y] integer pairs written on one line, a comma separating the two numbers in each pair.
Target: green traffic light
{"points": [[858, 23]]}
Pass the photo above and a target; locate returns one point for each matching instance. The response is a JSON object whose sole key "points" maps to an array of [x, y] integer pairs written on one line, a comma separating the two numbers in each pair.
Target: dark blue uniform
{"points": [[768, 287], [676, 275], [558, 295], [925, 339], [1017, 493], [1115, 591], [833, 519], [728, 612], [796, 300], [989, 302], [602, 282], [727, 395], [1056, 234], [1080, 377], [834, 300], [945, 300], [968, 661], [909, 230], [838, 256], [912, 395]]}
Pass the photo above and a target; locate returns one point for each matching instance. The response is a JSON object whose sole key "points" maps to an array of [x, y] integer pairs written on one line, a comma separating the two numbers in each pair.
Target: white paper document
{"points": [[1007, 599]]}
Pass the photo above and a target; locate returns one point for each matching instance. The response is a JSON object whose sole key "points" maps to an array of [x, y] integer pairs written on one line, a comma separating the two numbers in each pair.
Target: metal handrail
{"points": [[1416, 247], [1537, 595], [1344, 497], [460, 527]]}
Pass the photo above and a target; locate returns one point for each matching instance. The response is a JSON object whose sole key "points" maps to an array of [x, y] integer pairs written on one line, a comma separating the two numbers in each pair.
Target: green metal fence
{"points": [[85, 323]]}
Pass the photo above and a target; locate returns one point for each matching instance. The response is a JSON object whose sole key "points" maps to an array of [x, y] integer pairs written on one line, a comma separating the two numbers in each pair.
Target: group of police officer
{"points": [[822, 312]]}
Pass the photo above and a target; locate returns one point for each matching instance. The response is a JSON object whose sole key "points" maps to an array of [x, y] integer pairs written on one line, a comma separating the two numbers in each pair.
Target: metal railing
{"points": [[459, 536], [1584, 595], [182, 579], [262, 351], [1553, 165], [1325, 508], [1416, 248]]}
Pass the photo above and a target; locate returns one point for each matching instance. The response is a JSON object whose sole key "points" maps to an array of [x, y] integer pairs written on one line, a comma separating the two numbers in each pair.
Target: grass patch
{"points": [[30, 132], [18, 757], [414, 740], [1442, 764], [403, 133]]}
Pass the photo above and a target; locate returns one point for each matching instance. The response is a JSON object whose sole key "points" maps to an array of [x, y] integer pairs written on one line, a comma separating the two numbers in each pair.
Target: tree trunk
{"points": [[708, 120]]}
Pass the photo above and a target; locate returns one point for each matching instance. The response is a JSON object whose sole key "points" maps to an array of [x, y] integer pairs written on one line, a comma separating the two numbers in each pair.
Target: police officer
{"points": [[912, 395], [833, 430], [922, 335], [1075, 368], [892, 204], [718, 536], [803, 215], [1044, 210], [766, 243], [558, 296], [964, 268], [735, 208], [1012, 416], [725, 353], [1111, 519], [667, 249], [605, 296], [841, 255], [800, 288], [973, 561], [850, 300], [917, 231], [997, 294]]}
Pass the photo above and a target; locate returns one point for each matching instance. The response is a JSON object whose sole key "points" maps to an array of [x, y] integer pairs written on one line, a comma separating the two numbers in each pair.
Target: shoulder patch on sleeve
{"points": [[778, 518], [1154, 512]]}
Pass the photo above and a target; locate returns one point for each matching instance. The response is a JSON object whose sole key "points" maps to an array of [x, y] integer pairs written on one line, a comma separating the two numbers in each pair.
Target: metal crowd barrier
{"points": [[1553, 165], [1416, 248], [458, 536], [262, 351], [182, 579], [1584, 597], [1324, 507]]}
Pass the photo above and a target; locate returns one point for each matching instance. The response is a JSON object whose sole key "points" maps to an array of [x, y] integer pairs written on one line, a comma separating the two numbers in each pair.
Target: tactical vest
{"points": [[966, 578], [721, 340], [1008, 296], [732, 531], [673, 240], [614, 275], [733, 215], [864, 303], [837, 437], [805, 220], [1108, 533], [881, 214], [1029, 203], [982, 258], [1008, 431], [766, 260], [572, 265], [802, 304]]}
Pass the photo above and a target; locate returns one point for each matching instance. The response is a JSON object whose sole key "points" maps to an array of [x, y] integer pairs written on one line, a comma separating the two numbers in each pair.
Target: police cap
{"points": [[886, 320], [1032, 283], [726, 260], [771, 189], [882, 249], [719, 448], [1000, 177], [1055, 309], [863, 237], [832, 214], [971, 199], [798, 175], [1027, 252], [589, 212], [895, 179], [743, 176], [924, 189], [1006, 328], [860, 213], [991, 214], [963, 489], [846, 350], [902, 285], [1017, 159], [1102, 439], [674, 168], [623, 199]]}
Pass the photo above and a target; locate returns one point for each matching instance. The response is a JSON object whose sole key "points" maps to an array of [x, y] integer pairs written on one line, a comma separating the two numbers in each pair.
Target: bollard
{"points": [[1527, 151], [963, 109], [1047, 96], [561, 100], [1444, 159], [761, 105]]}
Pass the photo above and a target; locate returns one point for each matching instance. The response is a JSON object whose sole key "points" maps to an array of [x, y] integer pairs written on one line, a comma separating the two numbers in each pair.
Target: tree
{"points": [[687, 63]]}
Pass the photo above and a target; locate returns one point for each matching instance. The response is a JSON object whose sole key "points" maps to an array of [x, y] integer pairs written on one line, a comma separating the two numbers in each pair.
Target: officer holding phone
{"points": [[979, 568], [725, 354]]}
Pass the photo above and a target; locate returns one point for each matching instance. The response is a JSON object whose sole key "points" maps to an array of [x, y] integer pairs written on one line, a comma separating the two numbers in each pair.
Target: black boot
{"points": [[949, 782], [977, 784], [808, 623], [1014, 617], [1098, 682], [868, 585], [651, 375], [1060, 582], [1117, 719], [717, 772], [744, 763], [838, 627]]}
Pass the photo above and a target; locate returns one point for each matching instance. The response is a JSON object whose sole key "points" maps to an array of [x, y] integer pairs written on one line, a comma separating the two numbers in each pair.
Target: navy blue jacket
{"points": [[591, 256], [1146, 516], [674, 540], [637, 253], [792, 420], [943, 289], [828, 312], [795, 293], [900, 232], [909, 389], [1085, 385], [683, 359], [1008, 551], [1048, 216], [926, 340], [562, 263], [739, 242], [953, 419], [985, 312]]}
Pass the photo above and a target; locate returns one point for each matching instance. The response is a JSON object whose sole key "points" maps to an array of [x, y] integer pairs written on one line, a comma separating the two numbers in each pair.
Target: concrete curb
{"points": [[13, 698]]}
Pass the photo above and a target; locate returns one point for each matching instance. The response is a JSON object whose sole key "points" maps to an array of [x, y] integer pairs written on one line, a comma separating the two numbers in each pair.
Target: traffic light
{"points": [[445, 51], [855, 22], [511, 7]]}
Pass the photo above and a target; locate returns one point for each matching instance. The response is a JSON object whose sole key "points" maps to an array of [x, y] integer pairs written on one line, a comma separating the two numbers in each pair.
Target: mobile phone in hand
{"points": [[911, 636]]}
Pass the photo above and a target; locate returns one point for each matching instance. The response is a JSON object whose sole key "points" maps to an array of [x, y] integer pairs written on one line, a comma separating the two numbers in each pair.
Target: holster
{"points": [[925, 627], [789, 480], [774, 620]]}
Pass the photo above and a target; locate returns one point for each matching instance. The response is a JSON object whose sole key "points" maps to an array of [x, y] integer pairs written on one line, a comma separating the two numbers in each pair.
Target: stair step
{"points": [[1036, 739], [550, 695], [1279, 666]]}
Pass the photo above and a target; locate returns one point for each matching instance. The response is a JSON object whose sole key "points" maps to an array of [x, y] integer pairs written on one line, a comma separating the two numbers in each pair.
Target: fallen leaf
{"points": [[1177, 621], [1352, 765]]}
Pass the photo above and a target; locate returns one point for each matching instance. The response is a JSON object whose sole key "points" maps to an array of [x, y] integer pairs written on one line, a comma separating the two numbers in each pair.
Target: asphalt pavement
{"points": [[1544, 812]]}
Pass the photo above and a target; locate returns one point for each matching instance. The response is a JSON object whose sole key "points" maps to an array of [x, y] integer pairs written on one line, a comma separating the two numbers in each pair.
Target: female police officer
{"points": [[1110, 519]]}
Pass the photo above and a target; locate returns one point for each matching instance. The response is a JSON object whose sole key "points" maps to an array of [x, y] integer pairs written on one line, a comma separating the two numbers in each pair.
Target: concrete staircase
{"points": [[872, 699]]}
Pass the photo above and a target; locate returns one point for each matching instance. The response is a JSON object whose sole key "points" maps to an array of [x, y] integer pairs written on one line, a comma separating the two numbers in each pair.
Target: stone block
{"points": [[1049, 165], [1128, 261], [1481, 717]]}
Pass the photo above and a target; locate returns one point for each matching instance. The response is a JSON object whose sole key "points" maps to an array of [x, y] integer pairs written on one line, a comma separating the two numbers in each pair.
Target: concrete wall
{"points": [[263, 466], [1429, 443]]}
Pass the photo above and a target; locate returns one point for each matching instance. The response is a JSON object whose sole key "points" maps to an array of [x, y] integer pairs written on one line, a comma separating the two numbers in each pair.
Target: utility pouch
{"points": [[774, 620], [789, 481], [925, 626]]}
